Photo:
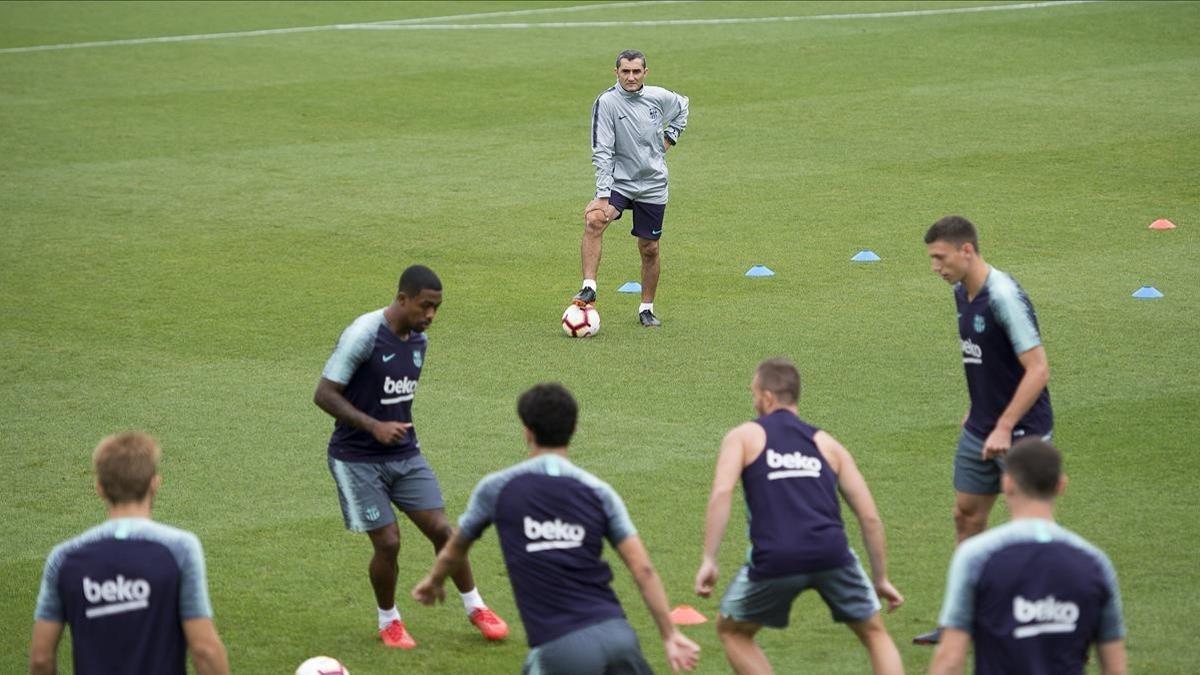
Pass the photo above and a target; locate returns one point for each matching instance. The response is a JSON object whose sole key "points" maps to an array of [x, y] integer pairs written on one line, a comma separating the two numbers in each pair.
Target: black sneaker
{"points": [[585, 296], [931, 638], [648, 319]]}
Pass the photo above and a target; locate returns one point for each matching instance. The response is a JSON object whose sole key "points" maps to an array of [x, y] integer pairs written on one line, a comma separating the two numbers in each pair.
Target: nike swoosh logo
{"points": [[656, 232], [389, 357], [620, 117]]}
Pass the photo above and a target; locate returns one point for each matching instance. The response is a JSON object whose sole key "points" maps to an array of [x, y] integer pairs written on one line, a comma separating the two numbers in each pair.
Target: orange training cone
{"points": [[1162, 224], [686, 615]]}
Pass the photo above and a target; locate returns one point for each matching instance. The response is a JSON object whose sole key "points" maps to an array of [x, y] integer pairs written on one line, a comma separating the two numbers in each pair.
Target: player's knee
{"points": [[440, 534], [969, 522], [387, 544], [595, 222], [648, 248], [728, 629], [870, 629]]}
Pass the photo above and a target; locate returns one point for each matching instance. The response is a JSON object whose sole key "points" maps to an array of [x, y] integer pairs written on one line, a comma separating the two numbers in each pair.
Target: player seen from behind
{"points": [[552, 518]]}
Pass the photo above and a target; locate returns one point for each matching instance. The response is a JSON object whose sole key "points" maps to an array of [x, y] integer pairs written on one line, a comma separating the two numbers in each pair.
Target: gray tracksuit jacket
{"points": [[627, 140]]}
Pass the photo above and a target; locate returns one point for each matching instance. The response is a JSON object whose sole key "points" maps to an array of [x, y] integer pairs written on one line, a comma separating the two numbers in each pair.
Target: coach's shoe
{"points": [[492, 626], [931, 638], [585, 296], [396, 635], [648, 319]]}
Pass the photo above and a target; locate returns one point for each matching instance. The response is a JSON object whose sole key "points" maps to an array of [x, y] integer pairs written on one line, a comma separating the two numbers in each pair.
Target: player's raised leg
{"points": [[596, 217], [434, 524]]}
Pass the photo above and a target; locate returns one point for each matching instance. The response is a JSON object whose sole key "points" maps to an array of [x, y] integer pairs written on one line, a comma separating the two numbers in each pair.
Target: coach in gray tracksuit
{"points": [[633, 126]]}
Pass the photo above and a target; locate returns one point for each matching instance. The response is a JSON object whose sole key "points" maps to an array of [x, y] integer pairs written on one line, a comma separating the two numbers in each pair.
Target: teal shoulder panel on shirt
{"points": [[353, 347], [1013, 310]]}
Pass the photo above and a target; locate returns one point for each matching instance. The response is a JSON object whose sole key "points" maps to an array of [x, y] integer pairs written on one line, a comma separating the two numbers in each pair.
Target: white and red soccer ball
{"points": [[322, 665], [581, 321]]}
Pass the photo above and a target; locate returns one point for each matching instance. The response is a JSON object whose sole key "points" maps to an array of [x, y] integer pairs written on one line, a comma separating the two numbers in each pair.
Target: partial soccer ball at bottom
{"points": [[322, 665], [581, 321]]}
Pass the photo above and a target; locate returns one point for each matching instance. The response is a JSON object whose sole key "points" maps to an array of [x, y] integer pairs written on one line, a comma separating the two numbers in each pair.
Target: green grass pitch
{"points": [[185, 227]]}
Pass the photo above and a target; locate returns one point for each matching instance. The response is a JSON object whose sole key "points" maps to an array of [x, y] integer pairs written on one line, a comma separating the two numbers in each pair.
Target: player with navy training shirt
{"points": [[1032, 595], [552, 519], [1006, 371], [368, 386], [633, 126], [791, 475], [133, 591]]}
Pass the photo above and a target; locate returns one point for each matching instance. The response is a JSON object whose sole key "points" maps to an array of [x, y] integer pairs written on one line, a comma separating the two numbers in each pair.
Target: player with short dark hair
{"points": [[633, 126], [549, 411], [1006, 371], [791, 475], [368, 386], [1032, 595], [552, 518], [133, 591]]}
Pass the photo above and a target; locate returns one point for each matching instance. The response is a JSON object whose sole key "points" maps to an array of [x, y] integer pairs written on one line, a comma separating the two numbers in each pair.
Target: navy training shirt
{"points": [[1034, 596], [124, 587], [380, 371], [552, 519], [792, 503], [995, 328]]}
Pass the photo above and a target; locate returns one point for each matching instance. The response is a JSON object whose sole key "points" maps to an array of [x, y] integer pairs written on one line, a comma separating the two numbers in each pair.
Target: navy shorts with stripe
{"points": [[647, 218]]}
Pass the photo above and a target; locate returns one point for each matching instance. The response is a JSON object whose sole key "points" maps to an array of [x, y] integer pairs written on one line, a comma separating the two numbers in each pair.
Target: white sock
{"points": [[472, 600], [646, 306], [589, 283], [387, 616]]}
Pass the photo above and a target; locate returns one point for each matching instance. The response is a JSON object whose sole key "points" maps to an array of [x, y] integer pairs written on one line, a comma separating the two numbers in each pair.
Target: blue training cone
{"points": [[865, 255], [1147, 293], [760, 271], [630, 287]]}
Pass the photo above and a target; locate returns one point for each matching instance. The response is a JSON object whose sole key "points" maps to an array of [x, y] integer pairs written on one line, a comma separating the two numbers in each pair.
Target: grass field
{"points": [[187, 226]]}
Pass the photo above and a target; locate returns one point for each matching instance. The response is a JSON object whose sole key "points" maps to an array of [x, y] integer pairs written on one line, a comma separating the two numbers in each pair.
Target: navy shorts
{"points": [[367, 490], [647, 218]]}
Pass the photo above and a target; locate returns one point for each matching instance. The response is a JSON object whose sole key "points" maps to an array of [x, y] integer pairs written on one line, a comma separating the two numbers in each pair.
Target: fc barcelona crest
{"points": [[979, 325], [418, 359]]}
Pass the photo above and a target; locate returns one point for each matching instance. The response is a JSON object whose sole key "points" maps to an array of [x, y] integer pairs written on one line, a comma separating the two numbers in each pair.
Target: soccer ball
{"points": [[581, 321], [322, 665]]}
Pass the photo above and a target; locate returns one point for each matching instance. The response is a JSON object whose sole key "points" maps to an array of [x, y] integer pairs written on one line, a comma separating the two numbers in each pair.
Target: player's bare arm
{"points": [[736, 447], [951, 655], [682, 653], [330, 397], [1035, 379], [432, 588], [854, 489], [43, 648], [205, 647], [1112, 658]]}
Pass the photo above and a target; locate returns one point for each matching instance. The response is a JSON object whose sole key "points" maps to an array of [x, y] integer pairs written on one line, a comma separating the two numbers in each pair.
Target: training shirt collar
{"points": [[631, 94]]}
